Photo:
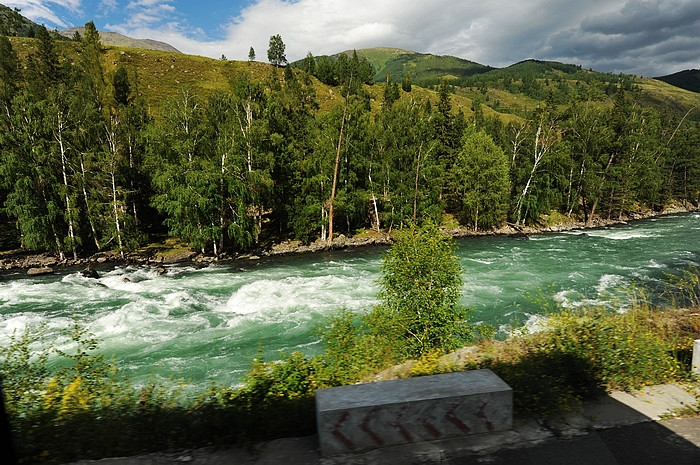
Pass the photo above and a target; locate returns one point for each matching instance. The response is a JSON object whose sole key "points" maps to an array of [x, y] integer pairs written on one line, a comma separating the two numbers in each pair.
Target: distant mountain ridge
{"points": [[688, 79], [119, 40]]}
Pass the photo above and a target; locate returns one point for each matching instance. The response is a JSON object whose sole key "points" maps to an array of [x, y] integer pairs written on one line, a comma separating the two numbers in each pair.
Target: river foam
{"points": [[207, 323]]}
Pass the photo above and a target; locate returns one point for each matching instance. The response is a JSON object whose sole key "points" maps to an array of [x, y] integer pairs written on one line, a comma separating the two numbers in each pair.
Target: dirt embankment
{"points": [[159, 255]]}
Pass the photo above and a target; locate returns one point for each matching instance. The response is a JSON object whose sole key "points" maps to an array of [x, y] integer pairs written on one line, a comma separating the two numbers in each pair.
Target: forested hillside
{"points": [[688, 79], [107, 148]]}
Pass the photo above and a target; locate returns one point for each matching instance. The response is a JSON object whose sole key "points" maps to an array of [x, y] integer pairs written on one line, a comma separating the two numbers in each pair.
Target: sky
{"points": [[642, 37]]}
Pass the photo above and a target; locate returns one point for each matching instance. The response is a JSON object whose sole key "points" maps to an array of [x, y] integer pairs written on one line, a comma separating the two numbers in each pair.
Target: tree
{"points": [[309, 64], [275, 51], [543, 141], [480, 175], [91, 65], [122, 87], [403, 172], [421, 285], [406, 84], [9, 73], [43, 69], [251, 54], [391, 91]]}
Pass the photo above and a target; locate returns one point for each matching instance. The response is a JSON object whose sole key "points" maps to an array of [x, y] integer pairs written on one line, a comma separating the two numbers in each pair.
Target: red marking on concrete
{"points": [[452, 418], [364, 426], [340, 436], [397, 424], [430, 428], [482, 415]]}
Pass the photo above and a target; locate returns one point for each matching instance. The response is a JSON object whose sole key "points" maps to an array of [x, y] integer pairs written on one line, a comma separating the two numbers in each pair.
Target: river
{"points": [[207, 324]]}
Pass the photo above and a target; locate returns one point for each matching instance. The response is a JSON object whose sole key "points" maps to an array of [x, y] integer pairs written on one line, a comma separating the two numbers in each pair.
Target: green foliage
{"points": [[391, 92], [421, 285], [406, 83], [122, 86], [351, 352], [275, 51], [12, 23], [480, 176], [93, 153], [580, 355]]}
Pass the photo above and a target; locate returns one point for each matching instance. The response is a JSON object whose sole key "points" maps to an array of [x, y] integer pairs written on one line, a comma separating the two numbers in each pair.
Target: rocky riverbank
{"points": [[167, 253]]}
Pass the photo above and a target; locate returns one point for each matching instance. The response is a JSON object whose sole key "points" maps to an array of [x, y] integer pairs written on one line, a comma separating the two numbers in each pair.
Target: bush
{"points": [[421, 285], [580, 355]]}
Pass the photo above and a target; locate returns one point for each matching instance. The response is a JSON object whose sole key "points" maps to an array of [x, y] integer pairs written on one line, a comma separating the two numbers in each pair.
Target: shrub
{"points": [[421, 285]]}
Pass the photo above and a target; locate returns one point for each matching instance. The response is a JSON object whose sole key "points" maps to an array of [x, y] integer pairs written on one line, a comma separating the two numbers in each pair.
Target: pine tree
{"points": [[391, 91], [406, 84], [43, 69], [122, 86], [9, 73]]}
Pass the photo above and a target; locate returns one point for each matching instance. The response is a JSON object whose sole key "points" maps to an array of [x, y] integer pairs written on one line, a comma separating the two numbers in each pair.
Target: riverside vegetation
{"points": [[85, 407], [109, 149]]}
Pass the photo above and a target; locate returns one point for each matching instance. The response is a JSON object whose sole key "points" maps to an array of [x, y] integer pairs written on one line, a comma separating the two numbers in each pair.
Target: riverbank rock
{"points": [[177, 257], [39, 271]]}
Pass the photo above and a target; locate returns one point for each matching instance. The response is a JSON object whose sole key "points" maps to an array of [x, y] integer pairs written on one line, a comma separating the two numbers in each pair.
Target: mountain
{"points": [[423, 67], [119, 40], [688, 79]]}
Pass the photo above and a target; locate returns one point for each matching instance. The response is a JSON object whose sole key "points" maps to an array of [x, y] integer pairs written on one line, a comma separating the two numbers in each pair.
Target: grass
{"points": [[163, 75]]}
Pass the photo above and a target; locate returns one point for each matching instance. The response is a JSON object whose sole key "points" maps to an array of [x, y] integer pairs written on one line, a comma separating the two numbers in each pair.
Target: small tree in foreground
{"points": [[421, 285]]}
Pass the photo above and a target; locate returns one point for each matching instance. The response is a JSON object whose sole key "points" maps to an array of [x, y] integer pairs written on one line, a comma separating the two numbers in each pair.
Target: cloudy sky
{"points": [[647, 37]]}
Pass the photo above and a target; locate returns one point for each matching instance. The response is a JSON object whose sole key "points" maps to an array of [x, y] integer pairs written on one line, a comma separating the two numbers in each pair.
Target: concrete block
{"points": [[695, 364], [373, 415]]}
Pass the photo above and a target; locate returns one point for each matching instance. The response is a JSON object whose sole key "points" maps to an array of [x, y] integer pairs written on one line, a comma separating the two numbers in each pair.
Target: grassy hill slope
{"points": [[421, 66], [162, 74]]}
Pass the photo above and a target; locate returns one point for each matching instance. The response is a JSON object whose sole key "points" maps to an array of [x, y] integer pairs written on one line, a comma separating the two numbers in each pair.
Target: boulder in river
{"points": [[90, 273]]}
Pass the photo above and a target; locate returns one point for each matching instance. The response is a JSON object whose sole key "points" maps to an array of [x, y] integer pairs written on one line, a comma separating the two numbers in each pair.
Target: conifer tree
{"points": [[406, 84], [9, 73]]}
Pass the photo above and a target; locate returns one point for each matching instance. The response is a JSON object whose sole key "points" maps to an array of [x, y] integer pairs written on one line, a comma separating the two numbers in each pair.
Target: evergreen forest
{"points": [[108, 148]]}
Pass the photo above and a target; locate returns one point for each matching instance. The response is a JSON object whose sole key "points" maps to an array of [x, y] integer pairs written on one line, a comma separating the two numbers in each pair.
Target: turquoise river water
{"points": [[207, 324]]}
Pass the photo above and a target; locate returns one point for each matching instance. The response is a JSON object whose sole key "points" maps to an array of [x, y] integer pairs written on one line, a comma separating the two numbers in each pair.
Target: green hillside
{"points": [[422, 67], [688, 79], [12, 23]]}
